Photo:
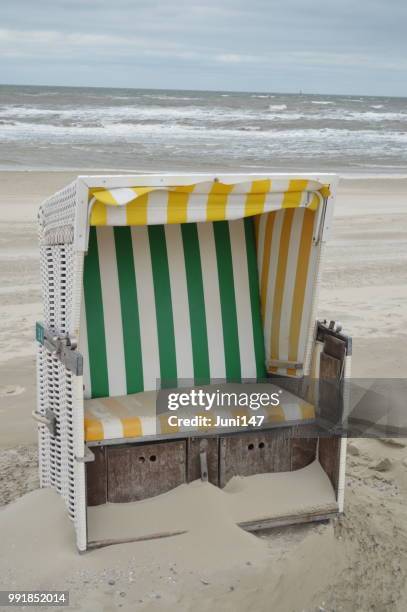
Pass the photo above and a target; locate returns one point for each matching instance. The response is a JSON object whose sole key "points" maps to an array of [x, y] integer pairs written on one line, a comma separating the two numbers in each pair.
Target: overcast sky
{"points": [[318, 46]]}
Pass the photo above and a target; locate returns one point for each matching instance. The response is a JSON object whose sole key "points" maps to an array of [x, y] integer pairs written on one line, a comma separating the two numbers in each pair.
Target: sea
{"points": [[143, 130]]}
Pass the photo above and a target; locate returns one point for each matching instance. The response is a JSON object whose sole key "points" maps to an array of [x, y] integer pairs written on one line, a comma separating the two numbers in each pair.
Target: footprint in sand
{"points": [[9, 390]]}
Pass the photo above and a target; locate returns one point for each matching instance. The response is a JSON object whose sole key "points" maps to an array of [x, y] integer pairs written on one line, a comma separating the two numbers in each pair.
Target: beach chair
{"points": [[158, 282]]}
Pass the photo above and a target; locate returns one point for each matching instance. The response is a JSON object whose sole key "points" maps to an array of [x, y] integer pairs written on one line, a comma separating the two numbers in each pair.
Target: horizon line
{"points": [[226, 91]]}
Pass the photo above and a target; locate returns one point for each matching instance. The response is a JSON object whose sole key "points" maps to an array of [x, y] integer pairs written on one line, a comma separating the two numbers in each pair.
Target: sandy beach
{"points": [[355, 564]]}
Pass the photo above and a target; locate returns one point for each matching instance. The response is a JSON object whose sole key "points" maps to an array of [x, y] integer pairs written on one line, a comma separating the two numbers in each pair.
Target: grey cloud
{"points": [[231, 44]]}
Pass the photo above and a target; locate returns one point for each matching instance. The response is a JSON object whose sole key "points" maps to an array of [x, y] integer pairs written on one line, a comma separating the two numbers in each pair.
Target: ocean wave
{"points": [[138, 113], [174, 148], [39, 94], [199, 116], [112, 97], [94, 127], [123, 132], [166, 97], [372, 116]]}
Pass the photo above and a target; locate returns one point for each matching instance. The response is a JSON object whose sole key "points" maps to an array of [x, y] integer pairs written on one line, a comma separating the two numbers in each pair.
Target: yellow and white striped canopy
{"points": [[204, 201]]}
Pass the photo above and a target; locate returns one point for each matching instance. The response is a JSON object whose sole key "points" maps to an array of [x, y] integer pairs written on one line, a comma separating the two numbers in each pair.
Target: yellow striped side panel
{"points": [[287, 261]]}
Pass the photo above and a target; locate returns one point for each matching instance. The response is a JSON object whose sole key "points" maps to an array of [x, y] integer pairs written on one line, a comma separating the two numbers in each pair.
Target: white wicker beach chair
{"points": [[163, 281]]}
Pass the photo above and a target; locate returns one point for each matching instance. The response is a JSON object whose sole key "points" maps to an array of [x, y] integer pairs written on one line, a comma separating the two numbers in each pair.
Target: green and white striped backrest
{"points": [[165, 305]]}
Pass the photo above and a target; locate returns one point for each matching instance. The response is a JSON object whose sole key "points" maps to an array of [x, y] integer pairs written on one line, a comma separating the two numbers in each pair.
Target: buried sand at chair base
{"points": [[192, 507]]}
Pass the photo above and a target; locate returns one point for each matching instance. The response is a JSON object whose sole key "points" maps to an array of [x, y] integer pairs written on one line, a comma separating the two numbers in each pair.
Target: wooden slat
{"points": [[141, 471], [284, 521], [330, 398], [303, 452], [154, 536], [335, 347], [96, 478], [330, 405], [329, 455]]}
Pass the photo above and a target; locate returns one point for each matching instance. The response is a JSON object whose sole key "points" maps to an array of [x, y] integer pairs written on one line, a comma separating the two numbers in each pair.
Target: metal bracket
{"points": [[63, 347], [334, 328], [88, 456], [203, 446], [48, 419]]}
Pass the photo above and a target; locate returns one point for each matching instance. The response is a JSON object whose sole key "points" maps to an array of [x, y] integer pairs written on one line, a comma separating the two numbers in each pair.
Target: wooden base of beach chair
{"points": [[141, 471], [132, 472]]}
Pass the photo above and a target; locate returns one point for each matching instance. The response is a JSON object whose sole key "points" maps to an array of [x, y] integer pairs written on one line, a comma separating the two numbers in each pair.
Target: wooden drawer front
{"points": [[254, 453], [146, 470]]}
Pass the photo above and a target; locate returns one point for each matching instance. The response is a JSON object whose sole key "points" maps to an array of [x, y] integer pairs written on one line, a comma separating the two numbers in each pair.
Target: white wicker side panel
{"points": [[59, 390], [54, 384], [44, 367], [43, 434], [59, 469], [57, 215]]}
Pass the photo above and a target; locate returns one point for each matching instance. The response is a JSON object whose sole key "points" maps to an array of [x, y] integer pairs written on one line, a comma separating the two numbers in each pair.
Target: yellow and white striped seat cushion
{"points": [[134, 416]]}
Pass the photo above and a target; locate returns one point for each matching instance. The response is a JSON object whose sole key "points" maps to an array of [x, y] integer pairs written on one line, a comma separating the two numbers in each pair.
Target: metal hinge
{"points": [[63, 347], [48, 419]]}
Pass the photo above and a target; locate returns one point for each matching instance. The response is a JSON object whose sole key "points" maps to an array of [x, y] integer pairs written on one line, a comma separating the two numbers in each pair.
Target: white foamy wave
{"points": [[204, 116], [322, 102], [376, 106], [372, 116], [167, 97], [17, 112], [115, 114], [123, 133], [120, 97], [39, 94]]}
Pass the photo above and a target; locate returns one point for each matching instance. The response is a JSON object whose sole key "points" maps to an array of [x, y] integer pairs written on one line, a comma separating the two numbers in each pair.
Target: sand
{"points": [[242, 500], [358, 563]]}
